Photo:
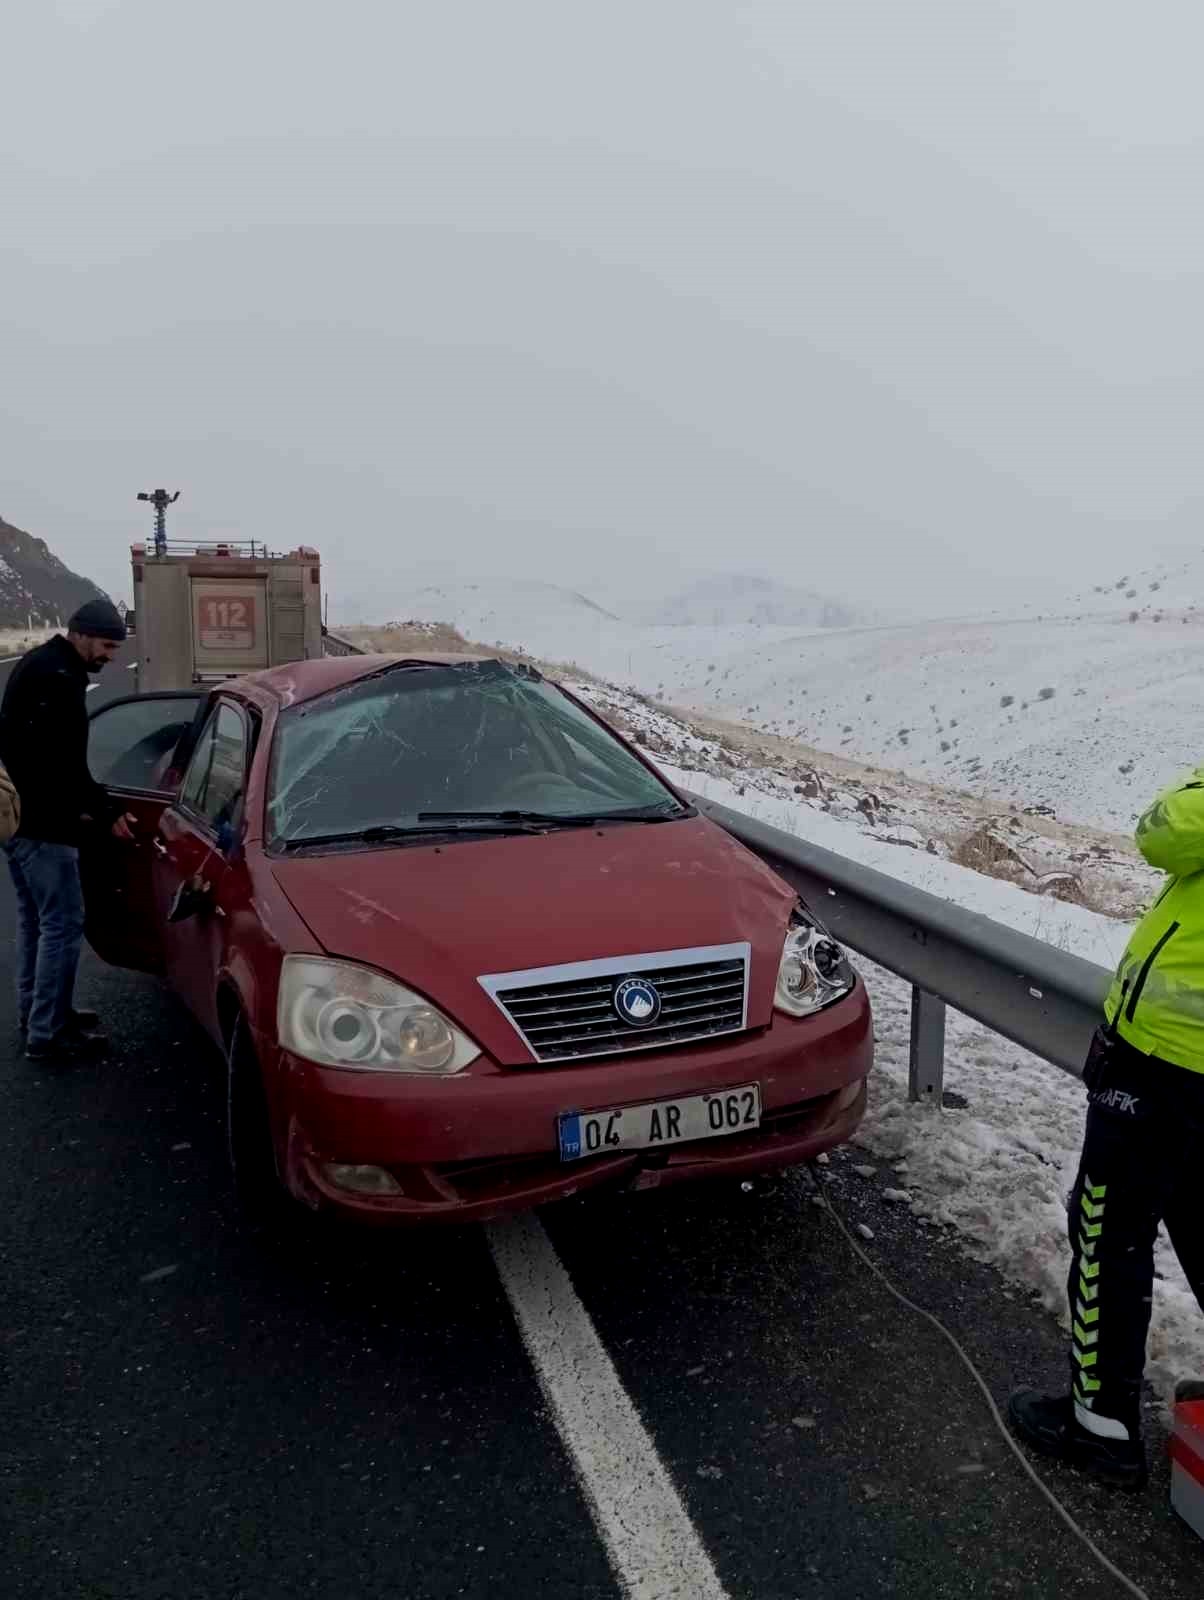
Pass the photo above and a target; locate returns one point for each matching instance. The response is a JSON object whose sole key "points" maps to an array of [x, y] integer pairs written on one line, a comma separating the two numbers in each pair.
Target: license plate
{"points": [[660, 1123]]}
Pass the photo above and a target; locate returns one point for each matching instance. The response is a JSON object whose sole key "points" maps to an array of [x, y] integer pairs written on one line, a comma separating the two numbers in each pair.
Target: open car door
{"points": [[136, 747]]}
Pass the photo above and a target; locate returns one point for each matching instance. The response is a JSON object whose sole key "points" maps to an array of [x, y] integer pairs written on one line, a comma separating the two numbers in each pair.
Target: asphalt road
{"points": [[189, 1409]]}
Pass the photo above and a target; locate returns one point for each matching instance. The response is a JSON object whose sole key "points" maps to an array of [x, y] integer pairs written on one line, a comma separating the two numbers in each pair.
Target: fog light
{"points": [[849, 1093], [362, 1179]]}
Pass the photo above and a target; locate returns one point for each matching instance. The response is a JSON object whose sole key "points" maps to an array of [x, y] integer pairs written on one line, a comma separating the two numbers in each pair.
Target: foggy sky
{"points": [[895, 299]]}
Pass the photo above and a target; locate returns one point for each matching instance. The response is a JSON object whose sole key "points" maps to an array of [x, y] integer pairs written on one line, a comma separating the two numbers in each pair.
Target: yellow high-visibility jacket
{"points": [[1157, 996]]}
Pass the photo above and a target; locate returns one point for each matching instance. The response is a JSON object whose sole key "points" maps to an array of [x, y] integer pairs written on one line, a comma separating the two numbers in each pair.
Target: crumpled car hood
{"points": [[439, 917]]}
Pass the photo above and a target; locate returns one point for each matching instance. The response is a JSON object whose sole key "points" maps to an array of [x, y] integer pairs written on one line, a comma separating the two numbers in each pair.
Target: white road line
{"points": [[652, 1544]]}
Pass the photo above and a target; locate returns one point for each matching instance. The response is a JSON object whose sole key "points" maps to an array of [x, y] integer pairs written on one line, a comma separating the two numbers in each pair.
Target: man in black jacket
{"points": [[44, 746]]}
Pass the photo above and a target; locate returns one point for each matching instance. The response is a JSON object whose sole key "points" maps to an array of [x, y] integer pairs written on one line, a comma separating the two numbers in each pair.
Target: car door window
{"points": [[216, 776], [131, 742]]}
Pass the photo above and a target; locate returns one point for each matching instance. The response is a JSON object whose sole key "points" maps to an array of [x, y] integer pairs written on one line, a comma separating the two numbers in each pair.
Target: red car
{"points": [[463, 949]]}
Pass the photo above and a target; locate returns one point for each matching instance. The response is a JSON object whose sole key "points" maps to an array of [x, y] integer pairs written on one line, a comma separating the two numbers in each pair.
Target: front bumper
{"points": [[483, 1143]]}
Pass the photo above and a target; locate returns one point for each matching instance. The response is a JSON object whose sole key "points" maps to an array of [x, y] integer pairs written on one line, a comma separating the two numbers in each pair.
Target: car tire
{"points": [[257, 1187]]}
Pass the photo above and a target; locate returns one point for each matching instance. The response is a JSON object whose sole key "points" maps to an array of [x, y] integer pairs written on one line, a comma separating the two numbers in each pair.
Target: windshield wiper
{"points": [[661, 811], [386, 833], [431, 823]]}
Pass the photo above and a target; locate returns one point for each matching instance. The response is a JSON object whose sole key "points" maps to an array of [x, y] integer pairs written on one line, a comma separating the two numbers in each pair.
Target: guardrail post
{"points": [[926, 1076]]}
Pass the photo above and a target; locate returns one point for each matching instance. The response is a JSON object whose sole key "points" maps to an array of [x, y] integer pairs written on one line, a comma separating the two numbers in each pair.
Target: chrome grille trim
{"points": [[564, 1013]]}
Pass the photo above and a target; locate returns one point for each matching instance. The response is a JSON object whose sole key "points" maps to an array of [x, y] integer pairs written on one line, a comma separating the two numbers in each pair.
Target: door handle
{"points": [[158, 846]]}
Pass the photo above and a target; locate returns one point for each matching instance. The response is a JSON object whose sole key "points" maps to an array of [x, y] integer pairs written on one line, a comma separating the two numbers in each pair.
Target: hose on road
{"points": [[1076, 1528]]}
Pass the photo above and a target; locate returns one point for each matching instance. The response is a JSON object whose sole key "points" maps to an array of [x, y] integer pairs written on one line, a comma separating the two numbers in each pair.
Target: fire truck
{"points": [[206, 612]]}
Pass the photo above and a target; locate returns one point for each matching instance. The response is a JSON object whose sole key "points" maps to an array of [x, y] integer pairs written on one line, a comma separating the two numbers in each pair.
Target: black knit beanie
{"points": [[98, 619]]}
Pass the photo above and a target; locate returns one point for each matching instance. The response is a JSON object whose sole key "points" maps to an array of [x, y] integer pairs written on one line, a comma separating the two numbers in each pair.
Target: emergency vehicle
{"points": [[208, 612]]}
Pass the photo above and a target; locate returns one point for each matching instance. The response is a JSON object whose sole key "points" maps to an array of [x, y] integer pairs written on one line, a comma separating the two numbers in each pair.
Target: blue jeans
{"points": [[50, 932]]}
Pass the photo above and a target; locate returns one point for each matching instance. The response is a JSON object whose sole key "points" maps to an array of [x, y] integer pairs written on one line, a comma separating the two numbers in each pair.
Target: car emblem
{"points": [[637, 1002]]}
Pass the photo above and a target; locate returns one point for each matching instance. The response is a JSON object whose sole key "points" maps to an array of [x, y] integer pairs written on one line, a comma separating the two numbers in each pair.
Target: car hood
{"points": [[438, 918]]}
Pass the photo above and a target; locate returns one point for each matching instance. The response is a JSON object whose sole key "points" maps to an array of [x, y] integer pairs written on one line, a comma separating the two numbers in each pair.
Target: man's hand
{"points": [[122, 827]]}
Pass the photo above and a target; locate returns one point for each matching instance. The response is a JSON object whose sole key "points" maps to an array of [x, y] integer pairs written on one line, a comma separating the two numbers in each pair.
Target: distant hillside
{"points": [[36, 589], [1088, 707], [732, 599], [1168, 590], [523, 613], [556, 624], [1090, 715]]}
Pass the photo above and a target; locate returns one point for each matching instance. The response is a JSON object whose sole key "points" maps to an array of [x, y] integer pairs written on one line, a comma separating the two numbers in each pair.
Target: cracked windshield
{"points": [[419, 749]]}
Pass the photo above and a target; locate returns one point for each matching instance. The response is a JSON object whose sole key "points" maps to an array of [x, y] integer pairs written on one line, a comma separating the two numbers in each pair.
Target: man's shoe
{"points": [[77, 1022], [1048, 1424], [66, 1048]]}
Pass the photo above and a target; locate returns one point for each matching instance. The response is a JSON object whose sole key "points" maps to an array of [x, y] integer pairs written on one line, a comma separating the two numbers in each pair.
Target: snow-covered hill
{"points": [[733, 598], [36, 590], [500, 610], [1088, 706], [559, 624], [1089, 715], [1172, 586]]}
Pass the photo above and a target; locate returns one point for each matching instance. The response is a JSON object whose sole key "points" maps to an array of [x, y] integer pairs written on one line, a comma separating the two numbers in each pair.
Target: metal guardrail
{"points": [[334, 644], [1039, 997]]}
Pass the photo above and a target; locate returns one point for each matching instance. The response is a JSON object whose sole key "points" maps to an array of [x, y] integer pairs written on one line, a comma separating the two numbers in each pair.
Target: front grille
{"points": [[568, 1013]]}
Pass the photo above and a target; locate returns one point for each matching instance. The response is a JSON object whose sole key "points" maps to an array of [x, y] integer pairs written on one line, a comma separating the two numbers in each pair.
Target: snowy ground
{"points": [[1086, 933], [887, 819], [16, 641], [998, 1170]]}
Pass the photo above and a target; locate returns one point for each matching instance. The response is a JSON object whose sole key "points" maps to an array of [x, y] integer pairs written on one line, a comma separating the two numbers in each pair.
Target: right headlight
{"points": [[813, 972], [344, 1015]]}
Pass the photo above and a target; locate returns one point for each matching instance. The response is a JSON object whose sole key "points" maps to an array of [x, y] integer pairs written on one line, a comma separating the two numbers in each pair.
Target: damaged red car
{"points": [[463, 948]]}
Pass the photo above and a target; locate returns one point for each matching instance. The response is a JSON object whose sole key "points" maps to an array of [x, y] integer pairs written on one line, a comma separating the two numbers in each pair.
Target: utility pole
{"points": [[160, 499]]}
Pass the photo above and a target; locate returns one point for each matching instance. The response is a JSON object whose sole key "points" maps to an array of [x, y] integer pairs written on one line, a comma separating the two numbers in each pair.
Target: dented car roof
{"points": [[299, 681]]}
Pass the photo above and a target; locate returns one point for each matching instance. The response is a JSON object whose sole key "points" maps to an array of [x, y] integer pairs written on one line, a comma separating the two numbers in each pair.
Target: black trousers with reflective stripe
{"points": [[1142, 1165]]}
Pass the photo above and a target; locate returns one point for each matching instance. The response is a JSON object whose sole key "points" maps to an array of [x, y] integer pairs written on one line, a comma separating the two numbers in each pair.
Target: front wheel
{"points": [[257, 1185]]}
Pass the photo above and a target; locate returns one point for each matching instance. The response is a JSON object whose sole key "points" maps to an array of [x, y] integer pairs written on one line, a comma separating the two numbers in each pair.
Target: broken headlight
{"points": [[813, 972]]}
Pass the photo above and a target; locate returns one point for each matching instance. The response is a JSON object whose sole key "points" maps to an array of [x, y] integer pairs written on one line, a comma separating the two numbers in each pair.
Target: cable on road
{"points": [[1079, 1532]]}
